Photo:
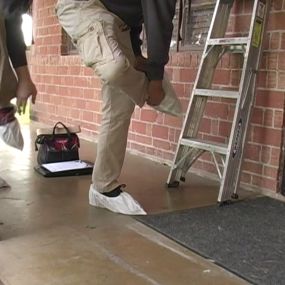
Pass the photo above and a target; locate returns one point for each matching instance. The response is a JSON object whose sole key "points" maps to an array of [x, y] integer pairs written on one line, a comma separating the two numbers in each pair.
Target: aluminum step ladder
{"points": [[226, 157]]}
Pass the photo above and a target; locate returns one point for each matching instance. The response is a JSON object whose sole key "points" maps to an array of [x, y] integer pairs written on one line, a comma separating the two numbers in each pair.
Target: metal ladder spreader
{"points": [[190, 147]]}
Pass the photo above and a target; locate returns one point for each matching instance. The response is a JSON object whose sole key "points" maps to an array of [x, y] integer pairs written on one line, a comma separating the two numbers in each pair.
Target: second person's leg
{"points": [[10, 131]]}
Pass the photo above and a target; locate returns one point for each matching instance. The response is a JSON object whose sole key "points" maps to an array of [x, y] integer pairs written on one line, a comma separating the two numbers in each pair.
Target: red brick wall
{"points": [[71, 93]]}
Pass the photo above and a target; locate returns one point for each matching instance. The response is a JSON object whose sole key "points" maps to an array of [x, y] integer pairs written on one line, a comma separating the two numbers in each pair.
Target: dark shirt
{"points": [[157, 16]]}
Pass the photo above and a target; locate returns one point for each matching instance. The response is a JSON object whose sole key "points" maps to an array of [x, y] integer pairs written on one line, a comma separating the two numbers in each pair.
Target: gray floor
{"points": [[49, 235]]}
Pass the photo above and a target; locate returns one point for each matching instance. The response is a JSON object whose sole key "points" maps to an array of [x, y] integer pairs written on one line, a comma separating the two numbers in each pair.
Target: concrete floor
{"points": [[50, 235]]}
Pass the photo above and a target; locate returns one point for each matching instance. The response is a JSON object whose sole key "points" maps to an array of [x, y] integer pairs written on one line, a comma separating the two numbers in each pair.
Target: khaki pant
{"points": [[103, 42], [8, 81]]}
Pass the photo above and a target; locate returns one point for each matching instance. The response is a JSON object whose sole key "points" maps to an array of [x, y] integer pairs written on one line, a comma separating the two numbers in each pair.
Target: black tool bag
{"points": [[57, 147]]}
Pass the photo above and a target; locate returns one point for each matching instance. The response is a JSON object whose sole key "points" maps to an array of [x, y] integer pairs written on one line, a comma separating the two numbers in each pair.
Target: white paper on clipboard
{"points": [[66, 165]]}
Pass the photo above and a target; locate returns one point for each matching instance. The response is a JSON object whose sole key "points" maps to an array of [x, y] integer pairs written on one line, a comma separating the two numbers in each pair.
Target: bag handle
{"points": [[40, 138], [64, 126]]}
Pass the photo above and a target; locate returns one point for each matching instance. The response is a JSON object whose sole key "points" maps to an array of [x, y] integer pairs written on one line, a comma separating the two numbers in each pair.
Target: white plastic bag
{"points": [[11, 134], [123, 204], [3, 183]]}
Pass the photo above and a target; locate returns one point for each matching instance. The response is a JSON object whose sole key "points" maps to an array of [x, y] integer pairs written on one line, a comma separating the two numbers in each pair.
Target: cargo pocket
{"points": [[93, 45]]}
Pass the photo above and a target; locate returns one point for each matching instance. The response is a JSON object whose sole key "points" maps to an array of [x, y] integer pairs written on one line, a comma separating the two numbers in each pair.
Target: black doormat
{"points": [[247, 238]]}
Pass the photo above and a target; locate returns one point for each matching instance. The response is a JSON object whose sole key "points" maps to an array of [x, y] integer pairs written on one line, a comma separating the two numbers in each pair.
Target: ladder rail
{"points": [[188, 128], [236, 133], [247, 93]]}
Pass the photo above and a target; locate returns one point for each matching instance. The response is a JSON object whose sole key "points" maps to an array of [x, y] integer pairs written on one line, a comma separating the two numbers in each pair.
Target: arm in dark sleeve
{"points": [[158, 16], [15, 41], [136, 40]]}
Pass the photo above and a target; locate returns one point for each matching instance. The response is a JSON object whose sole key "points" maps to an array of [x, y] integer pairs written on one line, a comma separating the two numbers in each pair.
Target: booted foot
{"points": [[115, 193], [10, 131], [121, 202]]}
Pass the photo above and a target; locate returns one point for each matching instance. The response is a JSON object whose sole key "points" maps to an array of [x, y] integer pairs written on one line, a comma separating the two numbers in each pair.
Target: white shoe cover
{"points": [[170, 104], [11, 134], [123, 204], [3, 183]]}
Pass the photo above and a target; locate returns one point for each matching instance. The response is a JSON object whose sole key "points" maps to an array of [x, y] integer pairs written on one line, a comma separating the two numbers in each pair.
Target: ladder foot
{"points": [[225, 203], [235, 196], [173, 184]]}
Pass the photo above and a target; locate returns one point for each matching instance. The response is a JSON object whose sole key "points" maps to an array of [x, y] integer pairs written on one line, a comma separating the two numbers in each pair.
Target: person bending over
{"points": [[107, 36]]}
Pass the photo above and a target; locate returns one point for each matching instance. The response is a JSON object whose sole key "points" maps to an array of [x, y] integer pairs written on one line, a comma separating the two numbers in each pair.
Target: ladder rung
{"points": [[228, 41], [205, 145], [217, 93]]}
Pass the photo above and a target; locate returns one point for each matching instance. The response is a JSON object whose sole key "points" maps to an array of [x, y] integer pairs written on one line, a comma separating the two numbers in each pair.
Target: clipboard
{"points": [[67, 168]]}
